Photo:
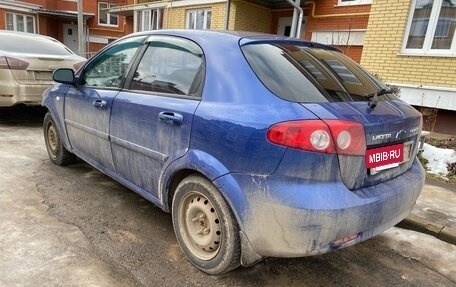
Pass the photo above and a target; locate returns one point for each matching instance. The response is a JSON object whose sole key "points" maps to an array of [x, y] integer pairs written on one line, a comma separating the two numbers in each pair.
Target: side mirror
{"points": [[64, 76]]}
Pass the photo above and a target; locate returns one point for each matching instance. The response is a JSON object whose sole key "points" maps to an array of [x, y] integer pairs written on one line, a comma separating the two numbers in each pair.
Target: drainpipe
{"points": [[296, 33], [81, 39], [227, 15]]}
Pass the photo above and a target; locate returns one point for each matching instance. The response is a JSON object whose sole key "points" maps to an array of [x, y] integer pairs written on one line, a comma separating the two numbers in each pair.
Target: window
{"points": [[104, 18], [311, 75], [169, 65], [19, 22], [353, 2], [109, 69], [35, 45], [199, 19], [149, 19], [432, 28]]}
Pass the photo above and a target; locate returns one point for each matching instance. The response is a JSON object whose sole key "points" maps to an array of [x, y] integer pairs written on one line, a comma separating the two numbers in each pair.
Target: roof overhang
{"points": [[61, 14], [275, 4], [127, 10], [18, 5]]}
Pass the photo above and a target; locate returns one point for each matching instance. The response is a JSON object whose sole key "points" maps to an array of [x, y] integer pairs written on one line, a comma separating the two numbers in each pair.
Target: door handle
{"points": [[171, 118], [99, 104]]}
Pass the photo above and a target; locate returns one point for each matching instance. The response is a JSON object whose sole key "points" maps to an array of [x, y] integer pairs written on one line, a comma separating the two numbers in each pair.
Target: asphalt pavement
{"points": [[39, 249]]}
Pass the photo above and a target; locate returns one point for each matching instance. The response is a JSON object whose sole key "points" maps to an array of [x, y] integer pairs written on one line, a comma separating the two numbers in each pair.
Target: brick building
{"points": [[412, 44], [341, 23], [58, 19]]}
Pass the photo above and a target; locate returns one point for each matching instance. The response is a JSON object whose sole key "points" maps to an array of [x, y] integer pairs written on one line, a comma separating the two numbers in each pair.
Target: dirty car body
{"points": [[309, 152], [26, 64]]}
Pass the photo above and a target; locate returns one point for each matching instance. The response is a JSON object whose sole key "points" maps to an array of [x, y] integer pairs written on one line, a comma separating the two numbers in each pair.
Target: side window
{"points": [[109, 69], [169, 65]]}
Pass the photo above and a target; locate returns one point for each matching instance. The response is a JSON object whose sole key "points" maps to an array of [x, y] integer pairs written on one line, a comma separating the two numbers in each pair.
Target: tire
{"points": [[58, 154], [205, 226]]}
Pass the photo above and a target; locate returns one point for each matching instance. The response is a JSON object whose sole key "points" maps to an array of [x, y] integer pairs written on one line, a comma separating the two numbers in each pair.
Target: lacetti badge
{"points": [[384, 156], [381, 137]]}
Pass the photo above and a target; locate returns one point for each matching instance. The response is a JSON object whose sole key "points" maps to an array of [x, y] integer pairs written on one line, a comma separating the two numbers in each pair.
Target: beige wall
{"points": [[175, 17], [251, 17], [243, 16], [382, 48]]}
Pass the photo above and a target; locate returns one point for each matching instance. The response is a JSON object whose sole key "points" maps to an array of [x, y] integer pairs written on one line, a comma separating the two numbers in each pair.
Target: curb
{"points": [[420, 224]]}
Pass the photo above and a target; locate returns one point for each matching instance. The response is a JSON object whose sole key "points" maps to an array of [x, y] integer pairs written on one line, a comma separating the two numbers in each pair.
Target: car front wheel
{"points": [[58, 154], [205, 226]]}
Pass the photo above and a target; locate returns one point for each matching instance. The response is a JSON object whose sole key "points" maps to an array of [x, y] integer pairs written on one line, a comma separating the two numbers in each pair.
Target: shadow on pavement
{"points": [[22, 115]]}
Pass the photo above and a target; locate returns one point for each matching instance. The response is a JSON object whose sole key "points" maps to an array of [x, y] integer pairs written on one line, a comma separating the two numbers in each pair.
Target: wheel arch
{"points": [[53, 102], [205, 165]]}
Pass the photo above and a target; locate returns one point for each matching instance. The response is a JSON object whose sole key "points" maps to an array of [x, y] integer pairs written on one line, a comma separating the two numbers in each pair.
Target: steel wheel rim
{"points": [[199, 224], [53, 141]]}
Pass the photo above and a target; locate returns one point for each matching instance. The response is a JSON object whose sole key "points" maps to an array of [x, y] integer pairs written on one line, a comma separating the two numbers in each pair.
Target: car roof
{"points": [[25, 35], [243, 37]]}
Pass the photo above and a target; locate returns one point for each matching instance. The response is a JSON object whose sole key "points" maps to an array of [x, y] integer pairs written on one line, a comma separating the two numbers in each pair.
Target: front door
{"points": [[70, 37], [88, 104], [151, 121], [284, 26]]}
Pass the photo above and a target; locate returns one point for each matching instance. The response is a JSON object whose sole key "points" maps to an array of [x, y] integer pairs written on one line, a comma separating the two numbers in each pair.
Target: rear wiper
{"points": [[373, 98]]}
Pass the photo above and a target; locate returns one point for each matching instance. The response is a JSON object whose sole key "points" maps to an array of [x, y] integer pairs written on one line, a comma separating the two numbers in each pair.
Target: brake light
{"points": [[326, 136], [78, 65], [13, 63]]}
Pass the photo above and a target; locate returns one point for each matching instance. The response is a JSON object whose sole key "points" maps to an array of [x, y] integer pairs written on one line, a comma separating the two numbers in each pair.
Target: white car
{"points": [[26, 65]]}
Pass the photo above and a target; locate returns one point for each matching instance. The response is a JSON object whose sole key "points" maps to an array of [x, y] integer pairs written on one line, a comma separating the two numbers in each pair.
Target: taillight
{"points": [[12, 63], [328, 136], [78, 65]]}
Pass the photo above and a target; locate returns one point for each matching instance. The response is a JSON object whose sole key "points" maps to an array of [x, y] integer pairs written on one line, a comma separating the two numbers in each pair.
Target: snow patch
{"points": [[438, 159]]}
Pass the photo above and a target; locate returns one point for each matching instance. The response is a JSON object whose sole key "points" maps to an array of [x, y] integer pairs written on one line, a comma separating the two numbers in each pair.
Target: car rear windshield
{"points": [[305, 74], [32, 45]]}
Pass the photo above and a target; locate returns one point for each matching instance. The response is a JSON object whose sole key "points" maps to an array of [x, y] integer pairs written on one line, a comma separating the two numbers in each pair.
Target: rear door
{"points": [[88, 105], [151, 120]]}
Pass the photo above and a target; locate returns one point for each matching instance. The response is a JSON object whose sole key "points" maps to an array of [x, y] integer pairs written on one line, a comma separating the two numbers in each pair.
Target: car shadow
{"points": [[22, 115]]}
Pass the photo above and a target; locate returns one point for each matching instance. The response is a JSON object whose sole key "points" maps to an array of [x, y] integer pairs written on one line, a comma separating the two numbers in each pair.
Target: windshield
{"points": [[32, 45], [305, 74]]}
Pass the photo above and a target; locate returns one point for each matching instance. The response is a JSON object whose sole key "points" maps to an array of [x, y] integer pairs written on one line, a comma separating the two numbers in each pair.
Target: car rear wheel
{"points": [[205, 226], [58, 154]]}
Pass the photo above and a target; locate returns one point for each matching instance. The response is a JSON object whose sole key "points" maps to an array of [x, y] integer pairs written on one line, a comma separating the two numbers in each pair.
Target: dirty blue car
{"points": [[259, 146]]}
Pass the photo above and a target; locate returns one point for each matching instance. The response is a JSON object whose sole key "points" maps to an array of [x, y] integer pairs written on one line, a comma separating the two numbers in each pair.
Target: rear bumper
{"points": [[12, 93], [286, 217]]}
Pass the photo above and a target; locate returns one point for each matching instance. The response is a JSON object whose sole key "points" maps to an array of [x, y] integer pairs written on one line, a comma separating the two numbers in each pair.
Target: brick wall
{"points": [[175, 17], [251, 17], [329, 17], [381, 55]]}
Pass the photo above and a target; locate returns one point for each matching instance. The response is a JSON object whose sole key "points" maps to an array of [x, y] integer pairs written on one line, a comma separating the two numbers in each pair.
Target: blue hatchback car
{"points": [[258, 145]]}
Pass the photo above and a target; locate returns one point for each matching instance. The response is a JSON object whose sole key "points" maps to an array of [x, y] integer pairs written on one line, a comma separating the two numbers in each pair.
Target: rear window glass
{"points": [[303, 74], [32, 45]]}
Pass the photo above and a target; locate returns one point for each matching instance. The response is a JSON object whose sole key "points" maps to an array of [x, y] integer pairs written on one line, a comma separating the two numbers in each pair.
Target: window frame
{"points": [[108, 15], [24, 17], [433, 21], [196, 89], [353, 2], [195, 11], [89, 65], [156, 13]]}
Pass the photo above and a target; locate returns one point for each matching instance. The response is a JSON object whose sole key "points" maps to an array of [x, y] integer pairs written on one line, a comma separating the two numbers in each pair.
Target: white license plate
{"points": [[407, 155]]}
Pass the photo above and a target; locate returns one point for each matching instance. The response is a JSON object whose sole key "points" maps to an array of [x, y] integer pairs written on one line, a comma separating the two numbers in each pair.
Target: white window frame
{"points": [[353, 2], [195, 11], [154, 15], [24, 17], [429, 37], [108, 16]]}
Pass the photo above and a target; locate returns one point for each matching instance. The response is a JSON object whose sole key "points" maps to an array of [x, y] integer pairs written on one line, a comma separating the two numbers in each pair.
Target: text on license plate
{"points": [[383, 156]]}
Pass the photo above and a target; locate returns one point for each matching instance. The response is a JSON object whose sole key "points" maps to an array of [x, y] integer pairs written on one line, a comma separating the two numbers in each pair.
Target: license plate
{"points": [[383, 158], [43, 76]]}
